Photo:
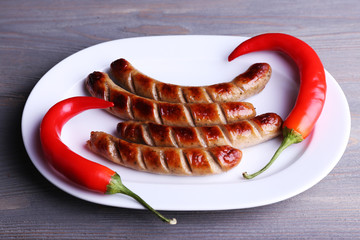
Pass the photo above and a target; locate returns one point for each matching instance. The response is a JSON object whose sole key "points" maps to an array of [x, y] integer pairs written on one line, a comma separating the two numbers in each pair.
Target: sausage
{"points": [[241, 87], [241, 134], [165, 160], [129, 106]]}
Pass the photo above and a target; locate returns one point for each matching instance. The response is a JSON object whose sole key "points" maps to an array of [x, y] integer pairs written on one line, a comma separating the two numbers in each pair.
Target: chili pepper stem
{"points": [[116, 186], [290, 137]]}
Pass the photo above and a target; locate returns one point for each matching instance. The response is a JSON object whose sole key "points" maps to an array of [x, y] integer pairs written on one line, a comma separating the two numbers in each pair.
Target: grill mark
{"points": [[173, 139], [158, 117], [226, 134], [118, 154], [141, 161], [256, 129], [208, 96], [200, 137], [212, 158], [182, 96], [157, 108], [189, 115], [147, 137], [130, 109], [186, 162], [163, 162], [222, 115], [155, 92], [130, 82]]}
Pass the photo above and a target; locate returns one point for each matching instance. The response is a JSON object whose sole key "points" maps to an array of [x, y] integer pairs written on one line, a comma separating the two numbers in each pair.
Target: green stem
{"points": [[116, 186], [290, 137]]}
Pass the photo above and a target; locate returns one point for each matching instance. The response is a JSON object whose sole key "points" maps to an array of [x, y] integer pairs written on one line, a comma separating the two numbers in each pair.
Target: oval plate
{"points": [[192, 60]]}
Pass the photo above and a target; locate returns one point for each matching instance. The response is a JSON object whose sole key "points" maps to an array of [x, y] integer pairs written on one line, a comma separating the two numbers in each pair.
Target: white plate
{"points": [[192, 60]]}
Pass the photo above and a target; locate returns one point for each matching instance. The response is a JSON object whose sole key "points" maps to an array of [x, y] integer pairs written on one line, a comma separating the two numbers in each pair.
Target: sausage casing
{"points": [[245, 85], [241, 134], [129, 106], [165, 160]]}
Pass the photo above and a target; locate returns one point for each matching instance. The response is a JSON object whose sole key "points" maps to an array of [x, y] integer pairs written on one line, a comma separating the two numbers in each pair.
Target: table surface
{"points": [[35, 35]]}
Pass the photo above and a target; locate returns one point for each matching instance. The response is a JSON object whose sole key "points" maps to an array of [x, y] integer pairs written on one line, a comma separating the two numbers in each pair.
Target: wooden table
{"points": [[35, 35]]}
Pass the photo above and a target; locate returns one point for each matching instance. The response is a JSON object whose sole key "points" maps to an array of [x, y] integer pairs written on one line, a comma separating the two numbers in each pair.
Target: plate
{"points": [[192, 60]]}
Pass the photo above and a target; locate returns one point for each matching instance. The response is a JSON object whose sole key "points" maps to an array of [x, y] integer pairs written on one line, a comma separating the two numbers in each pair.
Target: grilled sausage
{"points": [[165, 160], [241, 134], [129, 106], [241, 87]]}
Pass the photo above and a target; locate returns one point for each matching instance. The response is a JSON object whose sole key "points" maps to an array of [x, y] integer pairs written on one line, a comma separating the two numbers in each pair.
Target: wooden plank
{"points": [[37, 34]]}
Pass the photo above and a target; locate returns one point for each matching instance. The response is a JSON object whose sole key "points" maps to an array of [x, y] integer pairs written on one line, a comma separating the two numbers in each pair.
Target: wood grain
{"points": [[37, 34]]}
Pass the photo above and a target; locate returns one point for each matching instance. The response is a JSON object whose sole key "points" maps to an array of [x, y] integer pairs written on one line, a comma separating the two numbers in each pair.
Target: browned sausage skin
{"points": [[129, 106], [245, 85], [165, 160], [242, 134]]}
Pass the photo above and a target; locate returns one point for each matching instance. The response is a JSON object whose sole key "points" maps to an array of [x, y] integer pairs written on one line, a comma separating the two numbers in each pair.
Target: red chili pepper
{"points": [[312, 93], [80, 170]]}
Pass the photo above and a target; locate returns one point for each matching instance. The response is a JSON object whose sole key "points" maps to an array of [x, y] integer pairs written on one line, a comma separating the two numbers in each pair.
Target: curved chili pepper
{"points": [[80, 170], [312, 93]]}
